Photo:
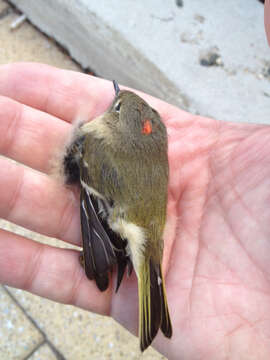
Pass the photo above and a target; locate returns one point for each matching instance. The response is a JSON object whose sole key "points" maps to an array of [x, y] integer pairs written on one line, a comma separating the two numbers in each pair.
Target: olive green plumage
{"points": [[122, 162]]}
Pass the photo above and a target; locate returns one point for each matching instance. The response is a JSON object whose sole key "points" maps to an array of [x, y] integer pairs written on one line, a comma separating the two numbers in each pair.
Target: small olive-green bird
{"points": [[120, 161]]}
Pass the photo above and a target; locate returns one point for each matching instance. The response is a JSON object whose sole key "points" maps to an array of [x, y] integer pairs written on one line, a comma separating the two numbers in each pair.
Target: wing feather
{"points": [[98, 251], [102, 247]]}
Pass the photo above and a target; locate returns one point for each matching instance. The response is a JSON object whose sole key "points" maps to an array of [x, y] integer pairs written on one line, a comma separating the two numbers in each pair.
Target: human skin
{"points": [[217, 237]]}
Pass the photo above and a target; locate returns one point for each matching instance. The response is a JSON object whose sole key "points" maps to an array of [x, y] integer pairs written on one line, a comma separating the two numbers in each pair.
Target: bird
{"points": [[119, 161]]}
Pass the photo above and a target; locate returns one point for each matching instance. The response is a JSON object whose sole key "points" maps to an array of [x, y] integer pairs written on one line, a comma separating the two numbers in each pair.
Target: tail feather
{"points": [[153, 307], [166, 325]]}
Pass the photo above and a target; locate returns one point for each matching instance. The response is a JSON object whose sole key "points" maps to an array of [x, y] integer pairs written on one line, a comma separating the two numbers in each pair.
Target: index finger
{"points": [[66, 94], [62, 93]]}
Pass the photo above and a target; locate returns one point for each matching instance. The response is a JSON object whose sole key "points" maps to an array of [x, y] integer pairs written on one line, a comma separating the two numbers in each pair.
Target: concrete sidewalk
{"points": [[32, 327], [210, 58]]}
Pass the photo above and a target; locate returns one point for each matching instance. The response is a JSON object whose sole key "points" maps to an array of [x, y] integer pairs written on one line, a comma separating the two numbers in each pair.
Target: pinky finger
{"points": [[49, 272]]}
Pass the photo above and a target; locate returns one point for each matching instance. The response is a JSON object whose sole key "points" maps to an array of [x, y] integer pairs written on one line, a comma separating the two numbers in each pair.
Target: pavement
{"points": [[31, 327]]}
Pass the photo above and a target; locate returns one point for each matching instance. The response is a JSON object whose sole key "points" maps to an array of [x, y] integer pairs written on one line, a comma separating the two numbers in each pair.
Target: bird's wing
{"points": [[98, 251], [102, 247]]}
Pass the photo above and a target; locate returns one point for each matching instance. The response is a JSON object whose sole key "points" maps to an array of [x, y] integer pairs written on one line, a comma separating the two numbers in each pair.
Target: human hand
{"points": [[217, 244]]}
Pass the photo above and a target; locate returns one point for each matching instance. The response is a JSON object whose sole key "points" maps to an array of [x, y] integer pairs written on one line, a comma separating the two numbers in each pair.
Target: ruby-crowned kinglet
{"points": [[120, 162]]}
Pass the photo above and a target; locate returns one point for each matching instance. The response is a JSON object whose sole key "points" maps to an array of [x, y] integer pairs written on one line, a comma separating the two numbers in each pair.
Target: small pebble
{"points": [[211, 59], [179, 3]]}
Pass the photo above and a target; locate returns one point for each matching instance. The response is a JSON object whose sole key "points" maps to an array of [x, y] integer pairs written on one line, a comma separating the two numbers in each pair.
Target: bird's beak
{"points": [[116, 87]]}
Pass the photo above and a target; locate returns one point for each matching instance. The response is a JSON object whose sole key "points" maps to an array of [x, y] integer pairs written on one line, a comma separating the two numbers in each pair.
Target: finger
{"points": [[30, 136], [65, 94], [36, 202], [49, 272]]}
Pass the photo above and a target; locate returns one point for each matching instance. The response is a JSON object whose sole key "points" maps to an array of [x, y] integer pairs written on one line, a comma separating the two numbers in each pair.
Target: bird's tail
{"points": [[153, 307]]}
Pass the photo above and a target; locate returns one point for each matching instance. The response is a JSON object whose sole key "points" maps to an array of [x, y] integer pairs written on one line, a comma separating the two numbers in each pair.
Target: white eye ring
{"points": [[117, 106]]}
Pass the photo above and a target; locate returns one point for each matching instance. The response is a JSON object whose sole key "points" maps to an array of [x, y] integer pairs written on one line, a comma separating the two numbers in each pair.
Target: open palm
{"points": [[218, 228]]}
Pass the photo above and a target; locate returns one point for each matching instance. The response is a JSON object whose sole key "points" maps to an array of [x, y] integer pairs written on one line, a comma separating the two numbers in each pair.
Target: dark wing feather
{"points": [[102, 247], [99, 254], [123, 260]]}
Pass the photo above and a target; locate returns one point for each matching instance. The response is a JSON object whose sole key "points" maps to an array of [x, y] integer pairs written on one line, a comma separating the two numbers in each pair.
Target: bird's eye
{"points": [[117, 106]]}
